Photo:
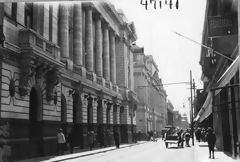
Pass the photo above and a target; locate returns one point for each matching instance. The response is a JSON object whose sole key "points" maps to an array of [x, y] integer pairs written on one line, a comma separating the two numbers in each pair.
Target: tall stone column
{"points": [[95, 104], [106, 70], [63, 31], [89, 38], [98, 46], [115, 114], [113, 57], [104, 111], [77, 34], [84, 108], [111, 113]]}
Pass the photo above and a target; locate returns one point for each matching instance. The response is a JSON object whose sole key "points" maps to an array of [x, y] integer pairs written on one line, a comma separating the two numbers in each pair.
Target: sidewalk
{"points": [[201, 154], [78, 153]]}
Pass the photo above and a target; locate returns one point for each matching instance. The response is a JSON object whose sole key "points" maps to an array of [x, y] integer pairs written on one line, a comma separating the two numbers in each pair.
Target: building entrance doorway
{"points": [[35, 117]]}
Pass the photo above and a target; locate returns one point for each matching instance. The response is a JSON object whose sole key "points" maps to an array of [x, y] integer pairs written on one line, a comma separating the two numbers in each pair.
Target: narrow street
{"points": [[149, 152]]}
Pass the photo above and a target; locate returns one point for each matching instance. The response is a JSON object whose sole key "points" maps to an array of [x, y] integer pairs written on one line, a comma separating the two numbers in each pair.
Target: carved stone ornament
{"points": [[12, 88], [27, 71], [52, 79]]}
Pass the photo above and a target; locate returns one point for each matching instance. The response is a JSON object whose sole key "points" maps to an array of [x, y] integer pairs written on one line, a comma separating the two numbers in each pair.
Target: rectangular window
{"points": [[14, 11], [50, 21], [28, 15]]}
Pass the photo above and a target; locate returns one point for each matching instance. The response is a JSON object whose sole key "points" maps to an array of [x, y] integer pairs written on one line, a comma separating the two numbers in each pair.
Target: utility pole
{"points": [[193, 109], [191, 115]]}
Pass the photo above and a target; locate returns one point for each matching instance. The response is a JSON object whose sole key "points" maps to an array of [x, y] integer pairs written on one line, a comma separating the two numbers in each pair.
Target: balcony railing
{"points": [[30, 40]]}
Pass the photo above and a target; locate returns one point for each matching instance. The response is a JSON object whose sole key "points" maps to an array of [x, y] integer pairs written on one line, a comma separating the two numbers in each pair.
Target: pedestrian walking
{"points": [[203, 135], [211, 140], [71, 141], [187, 138], [116, 138], [180, 138], [91, 139], [61, 141], [198, 134]]}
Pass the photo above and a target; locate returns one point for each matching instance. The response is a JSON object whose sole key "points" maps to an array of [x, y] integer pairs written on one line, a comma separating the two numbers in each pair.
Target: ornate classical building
{"points": [[152, 106], [66, 65]]}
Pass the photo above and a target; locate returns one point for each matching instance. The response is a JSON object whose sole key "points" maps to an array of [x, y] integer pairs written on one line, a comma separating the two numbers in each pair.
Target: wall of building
{"points": [[50, 76]]}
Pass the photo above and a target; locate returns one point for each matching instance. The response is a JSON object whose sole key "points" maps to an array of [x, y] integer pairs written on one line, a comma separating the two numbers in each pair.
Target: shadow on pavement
{"points": [[173, 147], [204, 145]]}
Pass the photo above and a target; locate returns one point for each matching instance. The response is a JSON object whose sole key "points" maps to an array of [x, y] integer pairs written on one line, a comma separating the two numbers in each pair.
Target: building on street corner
{"points": [[152, 106], [67, 65], [220, 74]]}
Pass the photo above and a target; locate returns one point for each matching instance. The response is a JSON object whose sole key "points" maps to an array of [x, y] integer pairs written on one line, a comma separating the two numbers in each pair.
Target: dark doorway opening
{"points": [[35, 118]]}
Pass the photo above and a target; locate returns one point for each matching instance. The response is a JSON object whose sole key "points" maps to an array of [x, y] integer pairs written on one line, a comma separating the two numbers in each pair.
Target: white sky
{"points": [[174, 55]]}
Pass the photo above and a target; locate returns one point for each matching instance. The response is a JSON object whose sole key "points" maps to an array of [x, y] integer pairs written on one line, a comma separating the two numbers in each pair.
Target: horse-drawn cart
{"points": [[171, 136]]}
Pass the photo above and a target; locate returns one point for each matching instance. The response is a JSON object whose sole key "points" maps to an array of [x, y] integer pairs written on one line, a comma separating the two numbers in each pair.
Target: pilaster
{"points": [[77, 34], [63, 31], [89, 38], [113, 57], [99, 64], [106, 70], [94, 104], [84, 107]]}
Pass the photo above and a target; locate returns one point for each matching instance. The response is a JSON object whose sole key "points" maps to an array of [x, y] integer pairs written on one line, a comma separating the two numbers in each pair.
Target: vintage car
{"points": [[171, 136]]}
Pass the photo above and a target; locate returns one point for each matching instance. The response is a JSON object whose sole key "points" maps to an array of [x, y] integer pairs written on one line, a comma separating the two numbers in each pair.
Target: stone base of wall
{"points": [[21, 144], [126, 133]]}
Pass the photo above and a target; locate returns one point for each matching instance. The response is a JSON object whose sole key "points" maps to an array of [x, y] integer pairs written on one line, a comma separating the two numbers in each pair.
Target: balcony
{"points": [[33, 43], [39, 58]]}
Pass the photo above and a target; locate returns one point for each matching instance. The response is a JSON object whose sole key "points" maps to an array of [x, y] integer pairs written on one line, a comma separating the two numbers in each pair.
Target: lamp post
{"points": [[191, 87]]}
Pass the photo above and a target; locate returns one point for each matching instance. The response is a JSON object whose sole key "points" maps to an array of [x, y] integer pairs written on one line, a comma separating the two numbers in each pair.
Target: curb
{"points": [[93, 153], [78, 154]]}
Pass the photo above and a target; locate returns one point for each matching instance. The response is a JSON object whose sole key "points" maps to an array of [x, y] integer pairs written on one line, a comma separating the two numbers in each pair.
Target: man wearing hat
{"points": [[211, 139], [60, 142]]}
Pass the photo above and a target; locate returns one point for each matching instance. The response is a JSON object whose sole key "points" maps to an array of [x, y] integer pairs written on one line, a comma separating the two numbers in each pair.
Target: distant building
{"points": [[179, 120], [152, 106], [169, 113]]}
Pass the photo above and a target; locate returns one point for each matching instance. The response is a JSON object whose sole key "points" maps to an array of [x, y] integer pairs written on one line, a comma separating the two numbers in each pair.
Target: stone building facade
{"points": [[220, 74], [170, 109], [66, 65], [152, 107]]}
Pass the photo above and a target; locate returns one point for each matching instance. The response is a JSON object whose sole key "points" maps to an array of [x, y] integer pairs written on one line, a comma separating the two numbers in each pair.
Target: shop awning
{"points": [[228, 75], [206, 109]]}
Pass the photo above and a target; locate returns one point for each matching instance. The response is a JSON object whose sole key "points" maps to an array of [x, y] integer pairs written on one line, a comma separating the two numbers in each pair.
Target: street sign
{"points": [[222, 25]]}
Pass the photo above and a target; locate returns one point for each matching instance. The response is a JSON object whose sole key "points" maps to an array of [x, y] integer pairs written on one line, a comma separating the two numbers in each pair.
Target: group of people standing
{"points": [[63, 140], [152, 136], [183, 136]]}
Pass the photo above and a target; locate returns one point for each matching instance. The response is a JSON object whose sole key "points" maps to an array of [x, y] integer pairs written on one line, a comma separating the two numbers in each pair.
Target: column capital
{"points": [[97, 16], [112, 32], [88, 5], [105, 25]]}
